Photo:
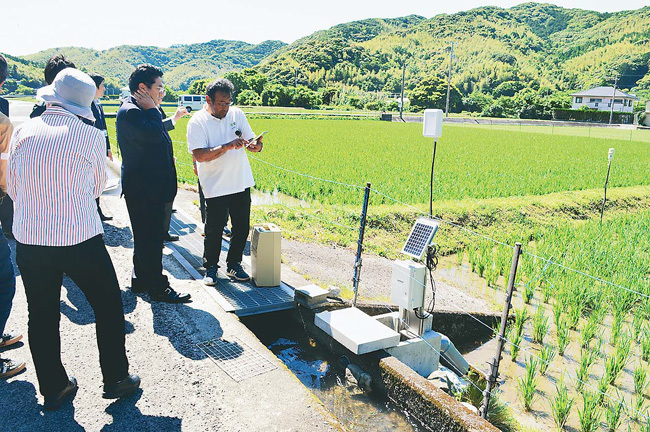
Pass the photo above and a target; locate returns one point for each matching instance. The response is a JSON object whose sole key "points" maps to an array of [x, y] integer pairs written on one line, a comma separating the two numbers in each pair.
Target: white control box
{"points": [[432, 124], [408, 284], [265, 254]]}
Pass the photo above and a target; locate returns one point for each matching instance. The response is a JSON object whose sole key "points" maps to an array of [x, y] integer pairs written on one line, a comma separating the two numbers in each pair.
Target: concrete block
{"points": [[420, 354], [311, 296], [358, 332]]}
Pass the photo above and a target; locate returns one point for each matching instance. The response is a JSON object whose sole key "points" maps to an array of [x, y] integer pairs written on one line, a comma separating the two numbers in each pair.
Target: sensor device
{"points": [[432, 123]]}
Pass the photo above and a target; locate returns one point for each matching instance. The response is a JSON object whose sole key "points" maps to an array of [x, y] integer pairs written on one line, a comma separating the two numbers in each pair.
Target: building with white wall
{"points": [[600, 98]]}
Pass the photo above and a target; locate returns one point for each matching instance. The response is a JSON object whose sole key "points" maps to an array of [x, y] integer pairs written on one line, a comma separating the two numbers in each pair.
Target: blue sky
{"points": [[29, 26]]}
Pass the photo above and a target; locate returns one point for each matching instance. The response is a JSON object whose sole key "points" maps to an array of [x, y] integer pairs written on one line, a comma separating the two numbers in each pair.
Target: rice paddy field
{"points": [[577, 351]]}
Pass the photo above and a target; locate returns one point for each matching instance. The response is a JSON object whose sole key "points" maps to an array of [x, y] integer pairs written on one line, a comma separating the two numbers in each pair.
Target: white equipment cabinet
{"points": [[265, 254]]}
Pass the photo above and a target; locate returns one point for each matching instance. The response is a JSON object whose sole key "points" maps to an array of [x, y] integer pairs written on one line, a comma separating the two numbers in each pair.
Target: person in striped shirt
{"points": [[56, 170]]}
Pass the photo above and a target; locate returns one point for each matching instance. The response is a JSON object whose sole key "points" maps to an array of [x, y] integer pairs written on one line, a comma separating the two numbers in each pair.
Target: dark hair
{"points": [[97, 78], [144, 73], [55, 65], [221, 85], [3, 69]]}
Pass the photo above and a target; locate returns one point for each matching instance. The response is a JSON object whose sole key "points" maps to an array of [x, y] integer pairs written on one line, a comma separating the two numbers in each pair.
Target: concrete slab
{"points": [[358, 332]]}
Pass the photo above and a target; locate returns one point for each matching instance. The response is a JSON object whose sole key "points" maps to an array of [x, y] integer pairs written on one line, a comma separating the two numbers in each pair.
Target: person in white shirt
{"points": [[218, 137]]}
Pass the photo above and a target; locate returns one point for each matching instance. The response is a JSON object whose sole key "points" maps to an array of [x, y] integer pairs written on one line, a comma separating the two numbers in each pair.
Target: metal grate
{"points": [[236, 359], [242, 298], [248, 300]]}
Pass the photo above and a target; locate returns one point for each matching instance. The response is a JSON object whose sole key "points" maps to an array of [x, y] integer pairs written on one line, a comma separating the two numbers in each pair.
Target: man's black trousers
{"points": [[147, 219], [89, 266], [238, 206]]}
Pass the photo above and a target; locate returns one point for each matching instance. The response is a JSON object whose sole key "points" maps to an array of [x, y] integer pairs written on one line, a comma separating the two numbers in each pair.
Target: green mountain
{"points": [[182, 64], [497, 51]]}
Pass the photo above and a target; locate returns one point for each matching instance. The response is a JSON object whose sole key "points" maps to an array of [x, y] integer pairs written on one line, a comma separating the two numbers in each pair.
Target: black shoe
{"points": [[121, 388], [174, 210], [236, 271], [170, 238], [171, 296], [54, 402], [105, 218], [137, 287], [9, 368], [9, 339]]}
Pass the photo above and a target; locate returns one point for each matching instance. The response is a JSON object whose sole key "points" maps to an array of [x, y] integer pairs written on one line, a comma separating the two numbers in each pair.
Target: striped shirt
{"points": [[57, 167]]}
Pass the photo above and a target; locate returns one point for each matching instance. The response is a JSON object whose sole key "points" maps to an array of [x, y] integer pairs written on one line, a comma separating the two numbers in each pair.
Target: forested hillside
{"points": [[521, 61]]}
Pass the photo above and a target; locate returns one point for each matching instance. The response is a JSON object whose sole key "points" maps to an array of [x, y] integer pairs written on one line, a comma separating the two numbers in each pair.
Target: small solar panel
{"points": [[421, 235]]}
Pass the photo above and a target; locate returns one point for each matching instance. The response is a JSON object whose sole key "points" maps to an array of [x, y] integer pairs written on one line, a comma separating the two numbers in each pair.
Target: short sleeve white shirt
{"points": [[231, 172]]}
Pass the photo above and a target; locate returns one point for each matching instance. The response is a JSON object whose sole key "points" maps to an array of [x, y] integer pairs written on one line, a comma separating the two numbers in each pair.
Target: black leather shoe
{"points": [[121, 388], [53, 403], [170, 238], [171, 296], [105, 218], [137, 287]]}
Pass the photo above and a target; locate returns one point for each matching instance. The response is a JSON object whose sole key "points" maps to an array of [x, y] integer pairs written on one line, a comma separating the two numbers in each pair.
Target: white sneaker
{"points": [[210, 278]]}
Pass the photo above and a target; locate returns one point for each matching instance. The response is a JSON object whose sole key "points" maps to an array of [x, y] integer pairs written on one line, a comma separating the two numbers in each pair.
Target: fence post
{"points": [[362, 229], [494, 366]]}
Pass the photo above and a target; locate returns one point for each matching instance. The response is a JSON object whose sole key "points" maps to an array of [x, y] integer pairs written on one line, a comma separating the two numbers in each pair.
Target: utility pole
{"points": [[451, 59], [401, 105], [611, 111]]}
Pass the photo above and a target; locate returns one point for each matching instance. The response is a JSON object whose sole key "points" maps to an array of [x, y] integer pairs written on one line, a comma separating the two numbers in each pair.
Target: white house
{"points": [[600, 98]]}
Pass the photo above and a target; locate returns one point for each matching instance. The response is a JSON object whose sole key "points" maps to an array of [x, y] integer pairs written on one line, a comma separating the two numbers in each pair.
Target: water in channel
{"points": [[323, 373]]}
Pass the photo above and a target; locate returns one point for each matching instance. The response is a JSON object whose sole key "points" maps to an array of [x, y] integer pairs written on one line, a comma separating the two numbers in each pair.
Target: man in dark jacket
{"points": [[100, 123], [148, 179]]}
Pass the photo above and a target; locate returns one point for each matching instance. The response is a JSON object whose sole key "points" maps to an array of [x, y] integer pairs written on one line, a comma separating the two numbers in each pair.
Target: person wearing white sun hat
{"points": [[57, 168]]}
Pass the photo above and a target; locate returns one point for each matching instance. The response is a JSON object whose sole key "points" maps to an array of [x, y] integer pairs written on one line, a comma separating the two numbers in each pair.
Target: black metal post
{"points": [[433, 163], [602, 208], [362, 230], [494, 366]]}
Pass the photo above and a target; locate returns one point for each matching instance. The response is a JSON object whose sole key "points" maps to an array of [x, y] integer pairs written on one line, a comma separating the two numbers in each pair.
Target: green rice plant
{"points": [[639, 402], [613, 368], [521, 318], [640, 379], [561, 405], [617, 325], [588, 332], [563, 337], [541, 326], [515, 339], [546, 355], [645, 426], [547, 289], [613, 414], [587, 359], [492, 275], [528, 293], [645, 343], [603, 386], [590, 414], [623, 349], [637, 323], [528, 383], [574, 313]]}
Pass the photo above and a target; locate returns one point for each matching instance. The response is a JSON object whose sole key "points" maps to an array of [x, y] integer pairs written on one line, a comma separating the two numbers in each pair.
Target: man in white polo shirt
{"points": [[218, 137]]}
